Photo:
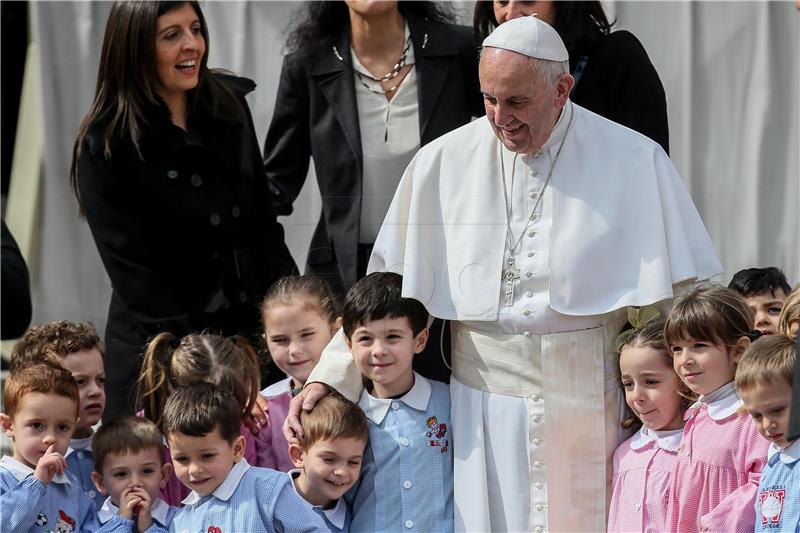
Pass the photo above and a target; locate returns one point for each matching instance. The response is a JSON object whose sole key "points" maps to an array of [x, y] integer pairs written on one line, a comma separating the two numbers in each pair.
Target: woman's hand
{"points": [[305, 400]]}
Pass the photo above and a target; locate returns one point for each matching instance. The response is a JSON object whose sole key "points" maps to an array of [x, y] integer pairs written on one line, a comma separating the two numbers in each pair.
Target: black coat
{"points": [[187, 235], [316, 115]]}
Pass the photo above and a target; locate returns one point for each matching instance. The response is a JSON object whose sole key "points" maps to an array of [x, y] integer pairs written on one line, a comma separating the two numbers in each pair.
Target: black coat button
{"points": [[216, 220], [235, 211], [196, 180], [172, 174]]}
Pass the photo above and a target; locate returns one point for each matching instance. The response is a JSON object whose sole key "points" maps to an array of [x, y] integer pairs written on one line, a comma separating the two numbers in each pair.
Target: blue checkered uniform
{"points": [[80, 463], [778, 498]]}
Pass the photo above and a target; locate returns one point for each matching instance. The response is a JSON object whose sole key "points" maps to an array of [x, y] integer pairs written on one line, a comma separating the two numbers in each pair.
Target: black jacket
{"points": [[187, 236], [316, 115]]}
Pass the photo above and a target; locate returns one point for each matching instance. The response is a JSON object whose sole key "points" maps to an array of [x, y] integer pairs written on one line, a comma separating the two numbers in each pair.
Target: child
{"points": [[130, 470], [409, 416], [643, 464], [789, 320], [36, 492], [765, 290], [328, 458], [201, 424], [232, 365], [300, 314], [76, 347], [764, 380], [721, 454]]}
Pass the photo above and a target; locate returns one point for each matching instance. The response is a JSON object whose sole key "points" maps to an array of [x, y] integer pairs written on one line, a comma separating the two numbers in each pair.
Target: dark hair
{"points": [[39, 376], [321, 23], [127, 79], [579, 24], [709, 313], [311, 290], [125, 434], [378, 295], [197, 409], [53, 341], [754, 281]]}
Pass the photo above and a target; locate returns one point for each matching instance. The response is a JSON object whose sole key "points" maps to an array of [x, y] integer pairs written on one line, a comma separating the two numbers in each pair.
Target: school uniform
{"points": [[337, 518], [29, 505], [406, 481], [277, 448], [80, 463], [111, 522], [250, 499], [778, 498]]}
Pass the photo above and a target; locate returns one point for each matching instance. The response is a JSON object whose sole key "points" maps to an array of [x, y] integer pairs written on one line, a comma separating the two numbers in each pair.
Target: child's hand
{"points": [[144, 519], [51, 464], [259, 416], [130, 501]]}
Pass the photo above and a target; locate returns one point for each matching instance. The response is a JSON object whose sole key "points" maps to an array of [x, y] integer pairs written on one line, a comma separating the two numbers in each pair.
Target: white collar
{"points": [[284, 385], [666, 440], [721, 403], [80, 444], [558, 134], [22, 471], [788, 455], [227, 487], [336, 515], [159, 511], [417, 398]]}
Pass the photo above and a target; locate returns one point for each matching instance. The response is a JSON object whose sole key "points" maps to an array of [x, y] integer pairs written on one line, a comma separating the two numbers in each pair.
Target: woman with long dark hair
{"points": [[167, 171], [613, 75]]}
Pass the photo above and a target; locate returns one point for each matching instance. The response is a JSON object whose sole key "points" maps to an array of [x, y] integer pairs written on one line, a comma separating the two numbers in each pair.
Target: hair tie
{"points": [[174, 342], [638, 317]]}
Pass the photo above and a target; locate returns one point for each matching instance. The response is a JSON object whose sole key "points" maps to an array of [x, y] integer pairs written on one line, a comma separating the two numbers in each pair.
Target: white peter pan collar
{"points": [[21, 471], [417, 398], [227, 487], [336, 515], [159, 511], [79, 444], [721, 403], [666, 440], [787, 455]]}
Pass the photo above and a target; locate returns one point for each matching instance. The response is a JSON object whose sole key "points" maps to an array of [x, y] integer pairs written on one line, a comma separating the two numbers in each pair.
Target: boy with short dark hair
{"points": [[130, 470], [409, 416], [765, 290], [202, 427], [328, 458], [36, 493]]}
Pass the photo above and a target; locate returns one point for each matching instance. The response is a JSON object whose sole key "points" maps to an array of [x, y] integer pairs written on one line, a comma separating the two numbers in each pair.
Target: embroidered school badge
{"points": [[214, 529], [64, 524], [771, 506], [436, 433]]}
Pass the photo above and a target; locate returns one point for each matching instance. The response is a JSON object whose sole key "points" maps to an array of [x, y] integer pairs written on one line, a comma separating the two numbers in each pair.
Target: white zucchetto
{"points": [[529, 36]]}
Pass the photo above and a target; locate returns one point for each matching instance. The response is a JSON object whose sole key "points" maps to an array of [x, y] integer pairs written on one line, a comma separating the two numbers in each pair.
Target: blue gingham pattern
{"points": [[80, 463]]}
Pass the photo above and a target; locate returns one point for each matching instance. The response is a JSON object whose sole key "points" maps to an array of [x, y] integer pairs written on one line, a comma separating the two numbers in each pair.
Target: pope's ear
{"points": [[564, 85]]}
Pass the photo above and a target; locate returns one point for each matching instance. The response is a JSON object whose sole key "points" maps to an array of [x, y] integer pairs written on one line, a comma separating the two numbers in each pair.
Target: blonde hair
{"points": [[709, 313], [768, 360], [54, 341], [230, 364], [315, 293], [790, 312], [334, 417]]}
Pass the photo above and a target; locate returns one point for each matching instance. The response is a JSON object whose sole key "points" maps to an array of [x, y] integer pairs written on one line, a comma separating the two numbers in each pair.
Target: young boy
{"points": [[202, 427], [130, 471], [765, 290], [409, 416], [764, 382], [328, 458], [36, 493], [76, 347]]}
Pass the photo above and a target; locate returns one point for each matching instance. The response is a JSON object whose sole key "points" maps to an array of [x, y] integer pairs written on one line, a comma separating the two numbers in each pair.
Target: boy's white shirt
{"points": [[789, 454], [22, 471], [159, 510], [227, 487], [80, 444], [417, 398], [335, 515]]}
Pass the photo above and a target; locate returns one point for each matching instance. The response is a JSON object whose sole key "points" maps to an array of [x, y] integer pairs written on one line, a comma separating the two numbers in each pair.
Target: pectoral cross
{"points": [[509, 277]]}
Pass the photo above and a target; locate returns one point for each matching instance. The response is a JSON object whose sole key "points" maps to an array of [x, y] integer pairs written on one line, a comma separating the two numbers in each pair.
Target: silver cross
{"points": [[510, 275]]}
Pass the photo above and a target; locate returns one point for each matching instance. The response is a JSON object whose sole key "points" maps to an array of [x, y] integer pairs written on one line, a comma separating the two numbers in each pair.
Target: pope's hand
{"points": [[305, 400]]}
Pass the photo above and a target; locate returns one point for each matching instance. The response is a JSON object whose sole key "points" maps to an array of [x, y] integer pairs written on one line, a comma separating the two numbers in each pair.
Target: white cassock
{"points": [[535, 391]]}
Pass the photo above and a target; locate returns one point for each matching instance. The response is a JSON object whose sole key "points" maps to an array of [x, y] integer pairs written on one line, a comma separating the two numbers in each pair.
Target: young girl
{"points": [[721, 454], [229, 363], [789, 319], [300, 314], [643, 464]]}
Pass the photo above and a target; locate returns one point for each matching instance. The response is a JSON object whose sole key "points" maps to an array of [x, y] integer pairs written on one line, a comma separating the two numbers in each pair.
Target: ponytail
{"points": [[251, 374], [154, 380]]}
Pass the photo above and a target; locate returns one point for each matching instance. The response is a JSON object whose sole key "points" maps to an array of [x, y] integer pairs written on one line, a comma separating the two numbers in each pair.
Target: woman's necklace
{"points": [[386, 77]]}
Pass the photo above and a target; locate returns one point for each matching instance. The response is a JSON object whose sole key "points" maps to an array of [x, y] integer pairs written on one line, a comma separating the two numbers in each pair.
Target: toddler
{"points": [[789, 320], [764, 380], [201, 424], [130, 470], [77, 348], [721, 454], [765, 290], [328, 458], [300, 314], [36, 492]]}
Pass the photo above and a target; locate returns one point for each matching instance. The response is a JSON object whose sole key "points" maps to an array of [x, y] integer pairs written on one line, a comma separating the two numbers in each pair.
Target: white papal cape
{"points": [[622, 232]]}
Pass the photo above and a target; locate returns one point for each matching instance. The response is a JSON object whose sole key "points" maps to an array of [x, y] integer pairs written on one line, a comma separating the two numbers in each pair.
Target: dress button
{"points": [[406, 484], [242, 296], [215, 219], [235, 211], [80, 455], [196, 180], [537, 418], [395, 405], [172, 174], [531, 233], [409, 524], [638, 506], [404, 441]]}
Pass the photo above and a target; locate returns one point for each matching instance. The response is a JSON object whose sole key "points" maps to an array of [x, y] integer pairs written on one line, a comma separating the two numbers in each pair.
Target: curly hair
{"points": [[53, 341]]}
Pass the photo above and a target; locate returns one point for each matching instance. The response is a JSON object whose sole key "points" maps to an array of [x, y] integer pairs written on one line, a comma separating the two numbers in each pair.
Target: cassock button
{"points": [[395, 405], [535, 397], [540, 507], [528, 294], [537, 464], [172, 174], [215, 219], [404, 441], [537, 418], [537, 441], [528, 274], [406, 484], [526, 312], [196, 180], [409, 524], [638, 506], [531, 254], [538, 484], [531, 233], [526, 333], [538, 529]]}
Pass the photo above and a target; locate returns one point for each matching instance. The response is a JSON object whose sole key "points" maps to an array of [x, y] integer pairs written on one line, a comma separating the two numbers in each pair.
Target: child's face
{"points": [[769, 405], [329, 468], [126, 470], [767, 308], [203, 463], [651, 388], [42, 420], [706, 366], [296, 335], [384, 352], [87, 368]]}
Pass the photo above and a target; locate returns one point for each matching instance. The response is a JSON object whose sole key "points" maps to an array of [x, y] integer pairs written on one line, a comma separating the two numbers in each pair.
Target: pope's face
{"points": [[521, 106]]}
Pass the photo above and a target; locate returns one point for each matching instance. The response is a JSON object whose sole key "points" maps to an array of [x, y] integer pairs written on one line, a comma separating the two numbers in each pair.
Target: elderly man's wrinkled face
{"points": [[522, 107]]}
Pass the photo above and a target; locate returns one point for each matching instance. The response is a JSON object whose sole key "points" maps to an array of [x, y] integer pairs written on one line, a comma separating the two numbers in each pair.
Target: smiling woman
{"points": [[167, 172]]}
